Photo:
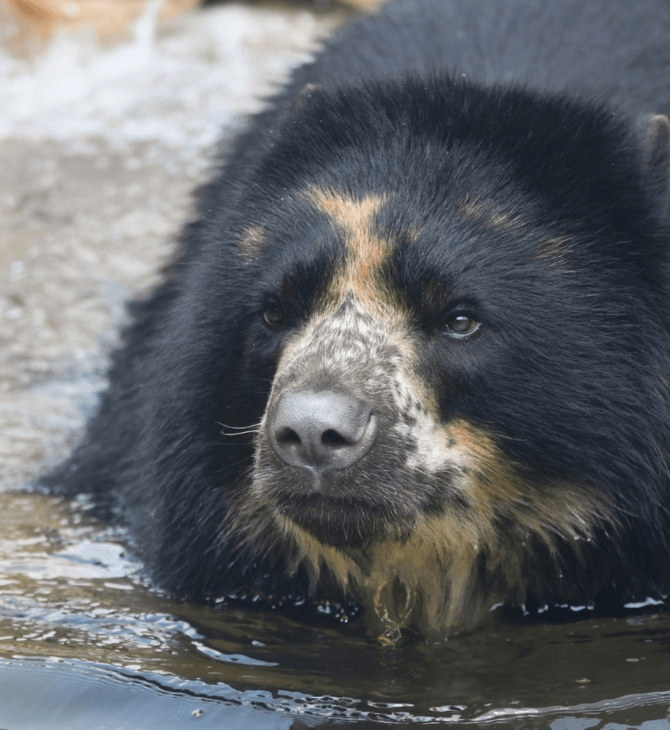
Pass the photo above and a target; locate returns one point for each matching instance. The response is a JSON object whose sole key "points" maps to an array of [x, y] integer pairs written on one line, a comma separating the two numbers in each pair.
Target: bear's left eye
{"points": [[274, 318], [461, 325]]}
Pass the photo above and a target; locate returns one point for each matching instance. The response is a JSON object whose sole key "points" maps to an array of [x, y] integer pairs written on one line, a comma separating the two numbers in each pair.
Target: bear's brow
{"points": [[365, 249]]}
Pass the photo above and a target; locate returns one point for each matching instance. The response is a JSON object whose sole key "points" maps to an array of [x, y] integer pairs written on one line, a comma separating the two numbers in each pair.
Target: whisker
{"points": [[240, 433], [238, 428], [252, 428]]}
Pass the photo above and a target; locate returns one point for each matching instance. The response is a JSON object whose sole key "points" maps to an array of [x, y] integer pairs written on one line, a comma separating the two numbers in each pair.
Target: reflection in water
{"points": [[84, 640]]}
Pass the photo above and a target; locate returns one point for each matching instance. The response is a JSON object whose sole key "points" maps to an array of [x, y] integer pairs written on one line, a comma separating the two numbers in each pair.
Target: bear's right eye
{"points": [[461, 326], [274, 318]]}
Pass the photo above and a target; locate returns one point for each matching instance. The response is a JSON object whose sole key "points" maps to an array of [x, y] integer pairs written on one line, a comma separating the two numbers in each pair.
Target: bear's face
{"points": [[371, 455], [367, 429], [451, 363]]}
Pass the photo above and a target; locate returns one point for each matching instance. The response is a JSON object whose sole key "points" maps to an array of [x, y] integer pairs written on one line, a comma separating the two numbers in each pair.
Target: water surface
{"points": [[86, 642]]}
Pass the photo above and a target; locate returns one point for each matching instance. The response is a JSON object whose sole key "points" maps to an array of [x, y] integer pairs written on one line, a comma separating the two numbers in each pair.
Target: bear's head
{"points": [[454, 336]]}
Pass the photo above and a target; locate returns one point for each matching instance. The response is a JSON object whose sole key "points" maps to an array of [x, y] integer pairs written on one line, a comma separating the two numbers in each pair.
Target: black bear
{"points": [[415, 350]]}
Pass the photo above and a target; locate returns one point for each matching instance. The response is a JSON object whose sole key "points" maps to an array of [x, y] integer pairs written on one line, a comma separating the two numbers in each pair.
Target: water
{"points": [[100, 148], [86, 642]]}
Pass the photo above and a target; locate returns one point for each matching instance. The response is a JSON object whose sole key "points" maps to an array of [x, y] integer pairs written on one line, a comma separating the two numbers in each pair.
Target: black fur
{"points": [[540, 108]]}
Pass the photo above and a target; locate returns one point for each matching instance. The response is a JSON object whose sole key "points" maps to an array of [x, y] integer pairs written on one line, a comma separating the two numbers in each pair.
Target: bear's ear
{"points": [[657, 159], [300, 99]]}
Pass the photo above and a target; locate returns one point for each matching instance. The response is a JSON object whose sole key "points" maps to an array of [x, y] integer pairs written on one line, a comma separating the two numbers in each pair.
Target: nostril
{"points": [[333, 438], [288, 436]]}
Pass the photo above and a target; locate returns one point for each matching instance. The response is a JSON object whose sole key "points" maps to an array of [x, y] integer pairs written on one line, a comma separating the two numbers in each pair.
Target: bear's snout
{"points": [[322, 430]]}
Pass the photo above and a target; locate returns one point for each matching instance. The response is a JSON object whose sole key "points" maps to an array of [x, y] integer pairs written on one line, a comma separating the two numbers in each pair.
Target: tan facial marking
{"points": [[489, 215], [495, 487], [252, 242], [553, 254], [365, 250], [432, 579]]}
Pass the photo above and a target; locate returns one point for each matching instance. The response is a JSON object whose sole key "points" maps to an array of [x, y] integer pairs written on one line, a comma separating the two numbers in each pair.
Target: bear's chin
{"points": [[335, 522]]}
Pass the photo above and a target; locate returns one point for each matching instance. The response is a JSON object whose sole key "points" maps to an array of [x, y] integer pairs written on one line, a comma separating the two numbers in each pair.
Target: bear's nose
{"points": [[322, 430]]}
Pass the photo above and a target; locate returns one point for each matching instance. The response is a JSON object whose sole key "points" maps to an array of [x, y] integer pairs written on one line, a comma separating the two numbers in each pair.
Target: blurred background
{"points": [[110, 111]]}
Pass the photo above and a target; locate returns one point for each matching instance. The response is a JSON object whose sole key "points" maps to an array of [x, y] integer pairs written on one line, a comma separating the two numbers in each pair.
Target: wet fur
{"points": [[495, 155]]}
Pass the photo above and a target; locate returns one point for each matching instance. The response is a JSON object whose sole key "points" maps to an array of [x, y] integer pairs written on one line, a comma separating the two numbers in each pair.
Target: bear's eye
{"points": [[274, 318], [461, 326]]}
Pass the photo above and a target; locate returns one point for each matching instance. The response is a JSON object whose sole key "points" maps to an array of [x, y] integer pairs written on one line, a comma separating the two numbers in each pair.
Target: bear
{"points": [[328, 399]]}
